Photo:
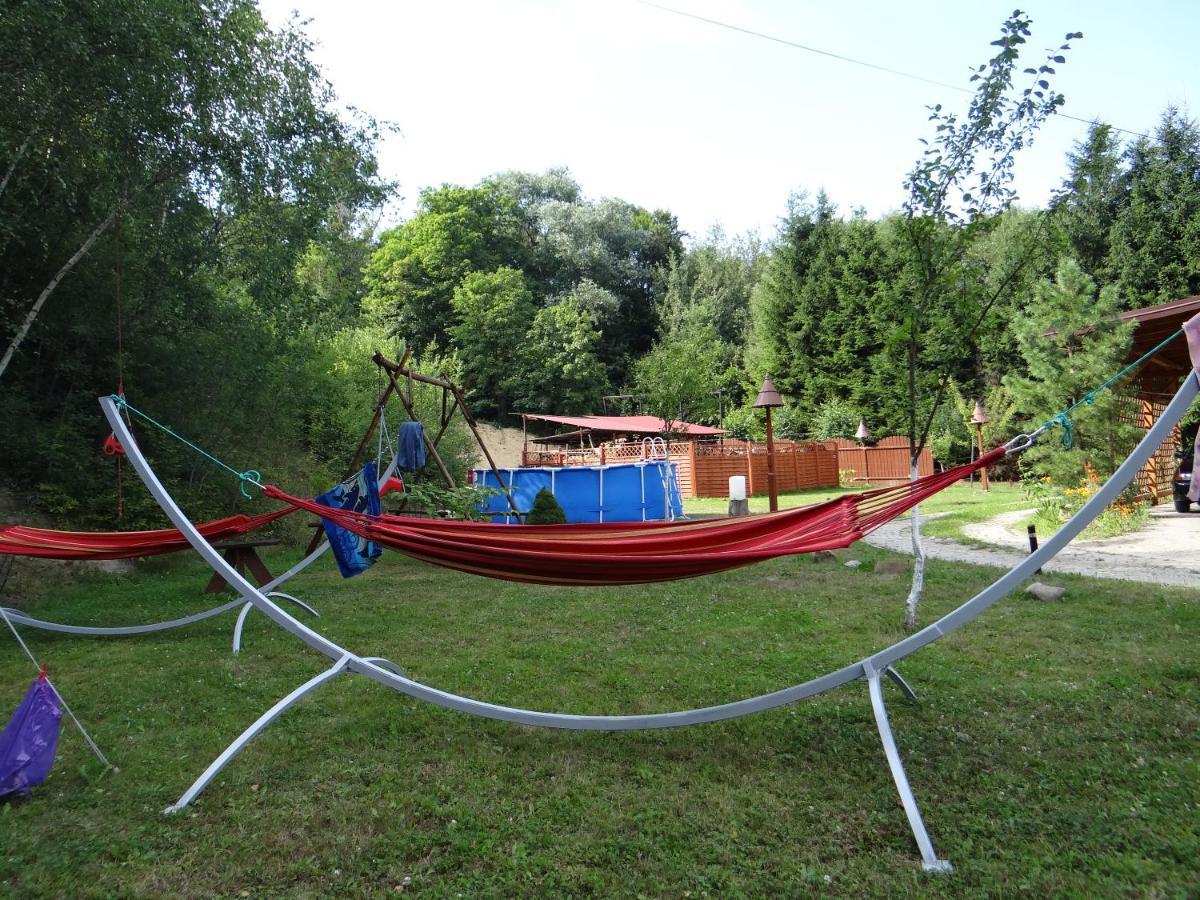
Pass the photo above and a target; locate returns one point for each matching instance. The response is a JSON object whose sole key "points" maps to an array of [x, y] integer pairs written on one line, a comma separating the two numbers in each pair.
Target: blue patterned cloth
{"points": [[360, 493]]}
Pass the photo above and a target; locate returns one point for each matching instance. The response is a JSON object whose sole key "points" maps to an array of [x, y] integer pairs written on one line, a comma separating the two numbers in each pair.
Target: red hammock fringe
{"points": [[638, 552]]}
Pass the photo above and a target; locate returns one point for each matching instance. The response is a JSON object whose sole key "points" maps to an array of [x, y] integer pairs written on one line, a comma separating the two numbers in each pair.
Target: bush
{"points": [[546, 510], [745, 423], [835, 418], [1055, 505]]}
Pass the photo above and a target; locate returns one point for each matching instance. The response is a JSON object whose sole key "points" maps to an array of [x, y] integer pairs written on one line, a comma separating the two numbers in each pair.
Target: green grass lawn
{"points": [[958, 505], [1054, 751]]}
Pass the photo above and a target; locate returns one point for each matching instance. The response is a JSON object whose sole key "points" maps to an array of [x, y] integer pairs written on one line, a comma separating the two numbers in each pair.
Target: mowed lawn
{"points": [[1054, 750], [947, 512]]}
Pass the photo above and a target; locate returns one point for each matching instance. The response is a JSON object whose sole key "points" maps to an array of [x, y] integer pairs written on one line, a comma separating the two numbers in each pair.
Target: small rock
{"points": [[891, 567], [853, 563], [824, 556], [1047, 593]]}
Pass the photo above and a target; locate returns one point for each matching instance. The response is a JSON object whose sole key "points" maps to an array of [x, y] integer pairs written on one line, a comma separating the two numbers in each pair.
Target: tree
{"points": [[1155, 243], [1072, 341], [709, 285], [413, 275], [167, 105], [619, 247], [494, 312], [962, 180], [681, 379], [562, 372], [1092, 195], [546, 510]]}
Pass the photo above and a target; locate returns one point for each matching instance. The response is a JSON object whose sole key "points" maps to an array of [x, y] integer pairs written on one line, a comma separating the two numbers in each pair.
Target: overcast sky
{"points": [[714, 125]]}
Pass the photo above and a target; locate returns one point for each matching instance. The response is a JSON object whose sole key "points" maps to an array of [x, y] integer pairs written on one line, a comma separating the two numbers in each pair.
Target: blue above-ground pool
{"points": [[632, 492]]}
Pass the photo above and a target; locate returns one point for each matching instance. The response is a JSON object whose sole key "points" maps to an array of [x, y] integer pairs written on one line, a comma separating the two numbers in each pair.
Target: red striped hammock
{"points": [[637, 552]]}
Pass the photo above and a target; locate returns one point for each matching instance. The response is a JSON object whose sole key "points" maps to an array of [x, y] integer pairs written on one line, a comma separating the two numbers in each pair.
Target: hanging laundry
{"points": [[411, 452], [359, 493]]}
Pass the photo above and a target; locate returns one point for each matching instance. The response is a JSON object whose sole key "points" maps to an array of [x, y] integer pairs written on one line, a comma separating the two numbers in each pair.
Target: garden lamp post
{"points": [[979, 419], [768, 398], [862, 434]]}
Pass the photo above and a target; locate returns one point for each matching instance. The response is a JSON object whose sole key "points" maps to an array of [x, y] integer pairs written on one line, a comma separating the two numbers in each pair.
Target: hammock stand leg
{"points": [[250, 733], [904, 686], [241, 619], [929, 859]]}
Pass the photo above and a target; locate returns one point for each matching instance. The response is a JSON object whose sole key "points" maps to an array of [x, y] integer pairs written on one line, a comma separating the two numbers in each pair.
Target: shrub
{"points": [[546, 510], [835, 418], [1055, 505]]}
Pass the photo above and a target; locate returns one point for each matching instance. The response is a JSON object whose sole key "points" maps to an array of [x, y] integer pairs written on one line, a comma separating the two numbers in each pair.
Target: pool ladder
{"points": [[654, 449]]}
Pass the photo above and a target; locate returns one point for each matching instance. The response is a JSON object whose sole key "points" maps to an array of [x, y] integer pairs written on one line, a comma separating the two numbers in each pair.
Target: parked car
{"points": [[1181, 481]]}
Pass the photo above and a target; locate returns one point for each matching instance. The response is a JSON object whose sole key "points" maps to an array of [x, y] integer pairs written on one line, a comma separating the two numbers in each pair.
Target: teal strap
{"points": [[250, 476], [1064, 418]]}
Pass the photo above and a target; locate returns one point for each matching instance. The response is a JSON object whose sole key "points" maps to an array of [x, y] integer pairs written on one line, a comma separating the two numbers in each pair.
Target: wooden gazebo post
{"points": [[768, 397]]}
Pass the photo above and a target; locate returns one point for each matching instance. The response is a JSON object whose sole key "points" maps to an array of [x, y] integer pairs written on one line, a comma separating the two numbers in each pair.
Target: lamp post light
{"points": [[862, 434], [768, 398], [980, 418]]}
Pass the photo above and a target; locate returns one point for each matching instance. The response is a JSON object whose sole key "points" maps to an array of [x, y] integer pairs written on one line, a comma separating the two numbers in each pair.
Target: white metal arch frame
{"points": [[870, 668]]}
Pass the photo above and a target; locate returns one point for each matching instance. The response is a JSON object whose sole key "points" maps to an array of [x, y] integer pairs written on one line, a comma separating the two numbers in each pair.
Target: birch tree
{"points": [[962, 181]]}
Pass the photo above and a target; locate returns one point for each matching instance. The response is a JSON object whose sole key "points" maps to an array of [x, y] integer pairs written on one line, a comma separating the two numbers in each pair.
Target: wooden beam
{"points": [[412, 414], [470, 420], [398, 370]]}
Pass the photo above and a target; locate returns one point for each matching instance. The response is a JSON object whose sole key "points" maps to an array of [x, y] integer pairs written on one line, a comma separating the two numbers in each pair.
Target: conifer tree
{"points": [[1071, 341], [546, 510]]}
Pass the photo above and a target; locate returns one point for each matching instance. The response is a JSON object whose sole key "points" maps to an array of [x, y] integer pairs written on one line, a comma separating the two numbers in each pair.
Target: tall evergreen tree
{"points": [[1072, 340], [1155, 245], [1092, 194]]}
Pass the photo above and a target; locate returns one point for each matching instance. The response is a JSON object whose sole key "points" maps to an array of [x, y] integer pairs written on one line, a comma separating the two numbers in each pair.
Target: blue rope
{"points": [[1063, 418], [250, 476]]}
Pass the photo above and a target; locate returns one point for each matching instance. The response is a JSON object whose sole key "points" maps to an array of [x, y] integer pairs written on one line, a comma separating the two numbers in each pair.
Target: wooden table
{"points": [[242, 555]]}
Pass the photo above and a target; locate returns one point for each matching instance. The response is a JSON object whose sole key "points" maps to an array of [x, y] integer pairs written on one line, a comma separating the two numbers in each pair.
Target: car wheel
{"points": [[1182, 505]]}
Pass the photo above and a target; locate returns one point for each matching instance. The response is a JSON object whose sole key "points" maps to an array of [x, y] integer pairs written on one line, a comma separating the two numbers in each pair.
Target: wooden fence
{"points": [[1154, 479], [704, 469], [887, 462], [798, 466]]}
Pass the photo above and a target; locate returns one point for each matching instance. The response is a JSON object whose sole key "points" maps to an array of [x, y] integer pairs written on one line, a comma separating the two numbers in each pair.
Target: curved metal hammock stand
{"points": [[870, 668]]}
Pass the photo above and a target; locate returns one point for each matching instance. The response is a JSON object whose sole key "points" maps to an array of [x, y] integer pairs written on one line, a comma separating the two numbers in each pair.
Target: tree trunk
{"points": [[49, 289], [16, 159], [918, 582]]}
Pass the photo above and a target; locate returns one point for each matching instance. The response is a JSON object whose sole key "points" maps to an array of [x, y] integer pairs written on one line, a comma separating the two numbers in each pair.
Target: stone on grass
{"points": [[1047, 593], [891, 567], [853, 563]]}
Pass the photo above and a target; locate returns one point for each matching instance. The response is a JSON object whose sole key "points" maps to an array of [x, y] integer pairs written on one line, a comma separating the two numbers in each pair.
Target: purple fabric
{"points": [[30, 740], [1191, 328]]}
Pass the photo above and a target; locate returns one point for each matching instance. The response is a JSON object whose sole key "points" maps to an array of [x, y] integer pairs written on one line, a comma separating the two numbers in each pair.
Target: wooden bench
{"points": [[242, 555]]}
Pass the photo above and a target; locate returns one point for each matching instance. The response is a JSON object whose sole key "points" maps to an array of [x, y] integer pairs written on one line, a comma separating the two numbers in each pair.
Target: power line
{"points": [[795, 45]]}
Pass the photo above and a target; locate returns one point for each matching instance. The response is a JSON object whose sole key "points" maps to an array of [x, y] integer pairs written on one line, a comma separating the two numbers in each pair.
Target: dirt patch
{"points": [[504, 444]]}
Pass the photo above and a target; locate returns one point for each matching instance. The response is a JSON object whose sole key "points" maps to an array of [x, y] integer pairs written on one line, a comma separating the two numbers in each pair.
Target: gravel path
{"points": [[1166, 551]]}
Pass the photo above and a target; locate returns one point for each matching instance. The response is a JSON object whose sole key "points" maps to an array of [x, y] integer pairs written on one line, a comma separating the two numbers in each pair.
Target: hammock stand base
{"points": [[870, 668]]}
